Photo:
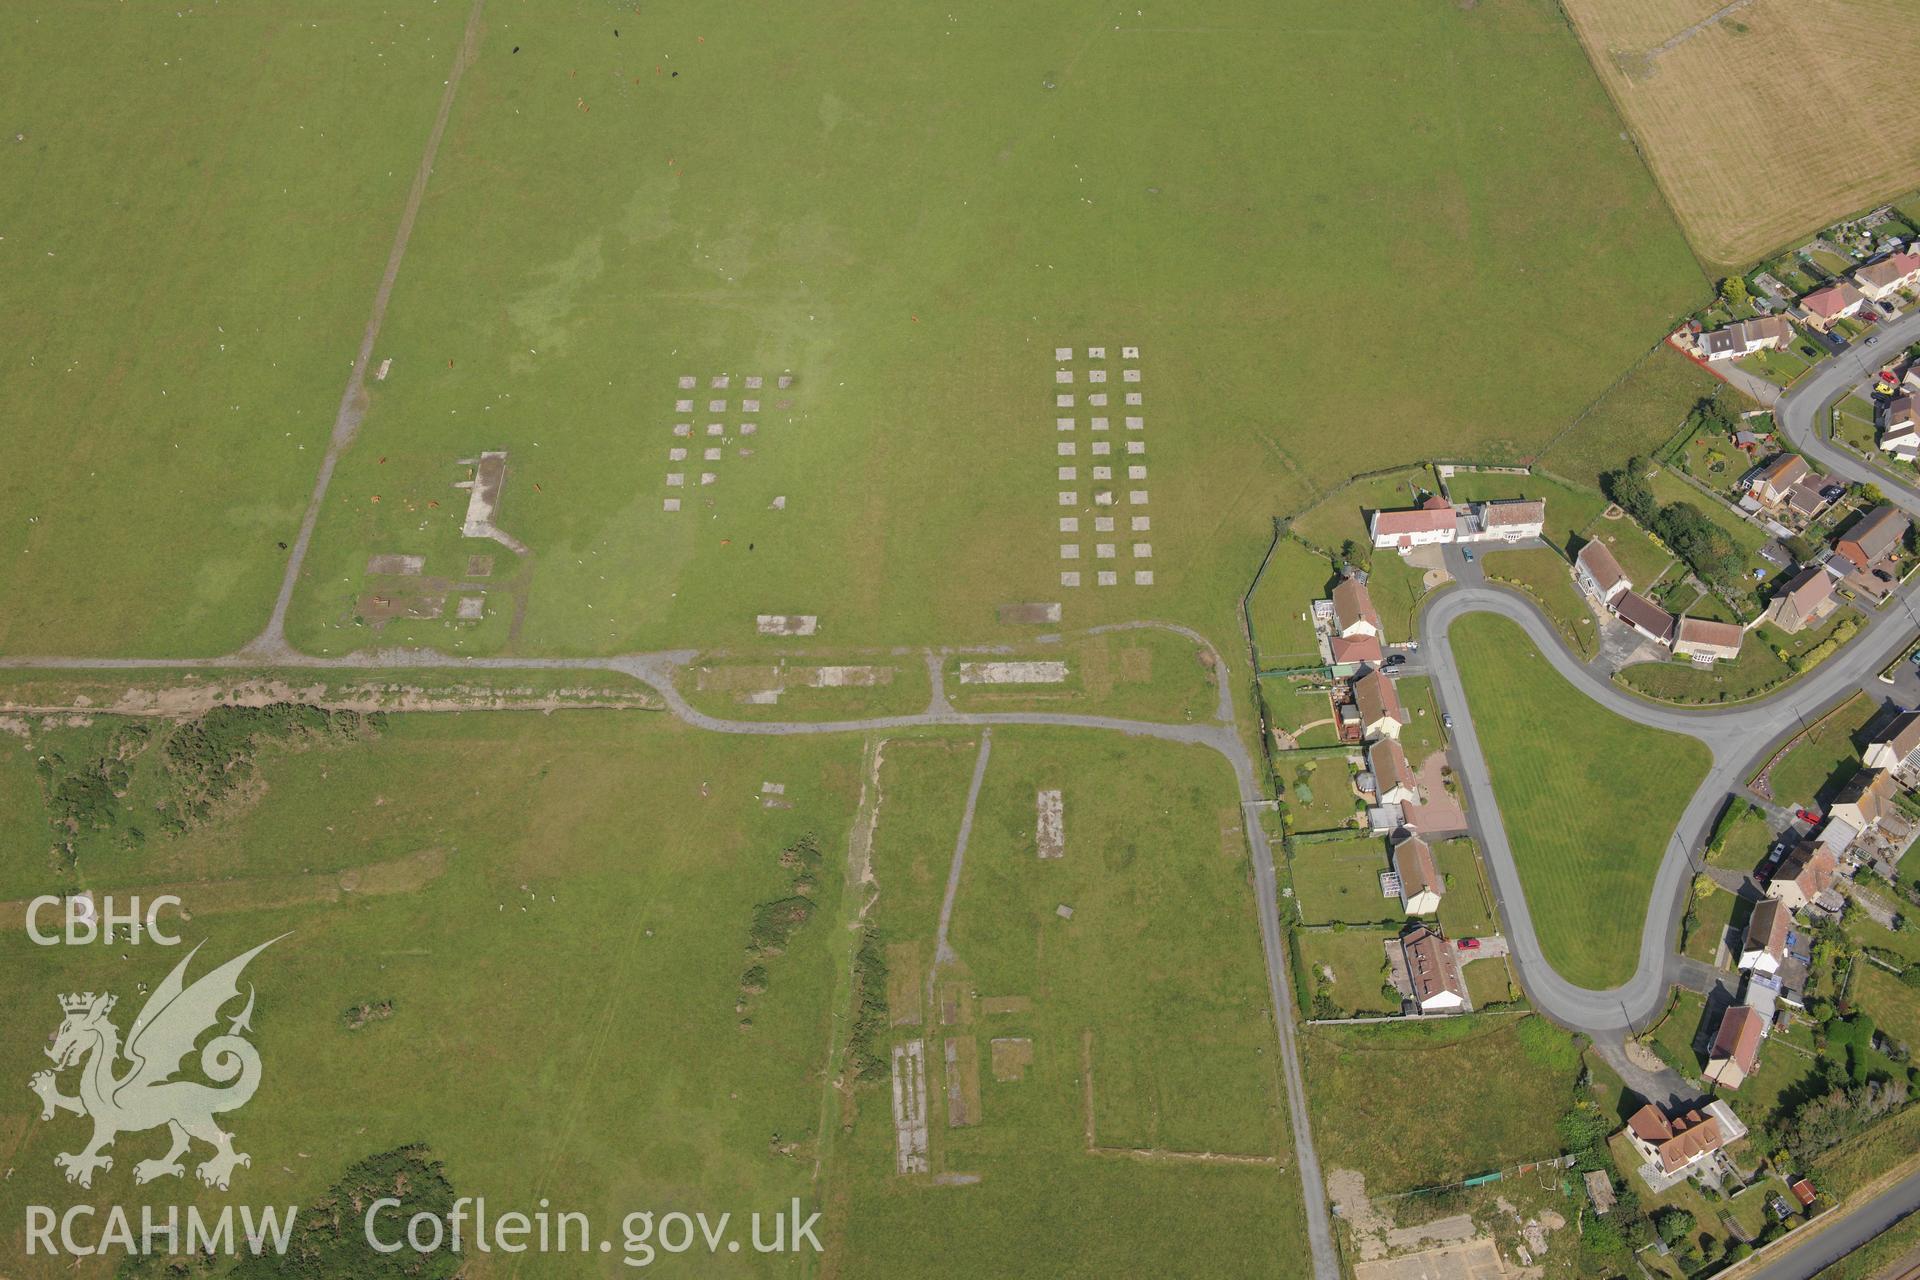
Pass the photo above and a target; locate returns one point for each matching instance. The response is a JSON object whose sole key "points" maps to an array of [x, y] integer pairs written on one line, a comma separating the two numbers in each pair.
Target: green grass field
{"points": [[196, 216], [1176, 1026], [1637, 416], [741, 218], [1565, 771], [1467, 1084], [567, 965]]}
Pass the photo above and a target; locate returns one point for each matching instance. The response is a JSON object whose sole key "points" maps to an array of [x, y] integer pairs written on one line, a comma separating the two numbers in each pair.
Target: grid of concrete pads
{"points": [[707, 423], [1100, 460]]}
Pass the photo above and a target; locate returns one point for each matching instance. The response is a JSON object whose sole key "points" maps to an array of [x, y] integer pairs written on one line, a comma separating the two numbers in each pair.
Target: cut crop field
{"points": [[1148, 1040], [1564, 770], [1790, 143], [510, 1007], [911, 235]]}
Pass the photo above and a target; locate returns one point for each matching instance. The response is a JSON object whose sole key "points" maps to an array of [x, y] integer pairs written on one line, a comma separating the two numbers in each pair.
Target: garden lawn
{"points": [[1423, 734], [1713, 916], [1757, 671], [1339, 881], [1545, 576], [1637, 415], [1489, 982], [1320, 793], [1569, 509], [1468, 1086], [1894, 1005], [1746, 843], [1643, 559], [1566, 773], [1669, 487], [1464, 910], [1397, 588], [1341, 516], [1675, 1034], [1358, 959], [1824, 757], [1281, 607]]}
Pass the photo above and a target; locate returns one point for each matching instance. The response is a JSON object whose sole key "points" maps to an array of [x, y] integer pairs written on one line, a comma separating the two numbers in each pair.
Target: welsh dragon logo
{"points": [[146, 1095]]}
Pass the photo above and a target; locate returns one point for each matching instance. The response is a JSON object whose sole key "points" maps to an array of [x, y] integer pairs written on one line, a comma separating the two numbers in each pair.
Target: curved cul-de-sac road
{"points": [[1739, 737]]}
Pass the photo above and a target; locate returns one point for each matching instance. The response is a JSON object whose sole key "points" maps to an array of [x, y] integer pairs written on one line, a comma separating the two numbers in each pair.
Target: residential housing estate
{"points": [[1436, 521]]}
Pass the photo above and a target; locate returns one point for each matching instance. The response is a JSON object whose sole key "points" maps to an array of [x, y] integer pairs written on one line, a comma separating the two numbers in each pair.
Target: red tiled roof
{"points": [[1355, 649], [1352, 603], [1739, 1037], [1421, 520], [1378, 700], [1702, 631], [1600, 564], [1832, 300], [1413, 861], [1767, 928]]}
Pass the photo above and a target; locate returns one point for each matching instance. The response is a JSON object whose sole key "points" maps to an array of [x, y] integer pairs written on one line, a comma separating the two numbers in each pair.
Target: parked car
{"points": [[1395, 659], [1469, 944], [1807, 816], [1468, 553]]}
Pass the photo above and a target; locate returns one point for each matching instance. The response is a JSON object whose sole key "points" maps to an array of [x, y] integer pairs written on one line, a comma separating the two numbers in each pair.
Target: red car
{"points": [[1807, 815], [1469, 944]]}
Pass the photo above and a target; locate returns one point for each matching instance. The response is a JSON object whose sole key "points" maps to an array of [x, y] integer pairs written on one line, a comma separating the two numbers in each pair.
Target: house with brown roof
{"points": [[1835, 302], [1884, 277], [1805, 600], [1872, 539], [1807, 498], [1772, 483], [1894, 745], [1381, 715], [1511, 520], [1598, 573], [1433, 971], [1432, 522], [1764, 945], [1900, 427], [1347, 655], [1353, 611], [1678, 1145], [1807, 871], [1420, 883], [1706, 641], [1645, 617], [1768, 333], [1866, 801], [1393, 778], [1736, 1046]]}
